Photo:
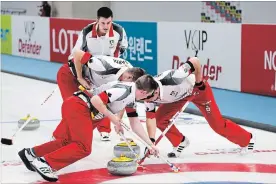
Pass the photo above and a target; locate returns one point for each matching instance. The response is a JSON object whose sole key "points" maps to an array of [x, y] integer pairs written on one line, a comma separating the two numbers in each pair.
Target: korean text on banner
{"points": [[31, 37], [142, 45], [6, 35], [64, 34], [258, 65], [218, 45]]}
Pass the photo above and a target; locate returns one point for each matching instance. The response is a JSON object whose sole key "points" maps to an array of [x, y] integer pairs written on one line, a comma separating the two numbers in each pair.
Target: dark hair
{"points": [[136, 72], [104, 12], [146, 83]]}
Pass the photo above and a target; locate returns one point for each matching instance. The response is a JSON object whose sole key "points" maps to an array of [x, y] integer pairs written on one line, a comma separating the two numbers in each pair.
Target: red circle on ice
{"points": [[102, 175]]}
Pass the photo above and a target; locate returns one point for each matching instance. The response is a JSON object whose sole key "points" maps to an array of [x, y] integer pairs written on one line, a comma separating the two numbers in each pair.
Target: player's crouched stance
{"points": [[81, 114], [176, 87]]}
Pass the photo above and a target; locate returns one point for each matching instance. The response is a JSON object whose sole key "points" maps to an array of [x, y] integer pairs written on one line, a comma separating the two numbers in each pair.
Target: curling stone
{"points": [[32, 125], [123, 149], [122, 166]]}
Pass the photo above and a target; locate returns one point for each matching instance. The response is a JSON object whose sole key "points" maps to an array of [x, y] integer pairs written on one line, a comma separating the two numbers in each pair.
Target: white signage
{"points": [[31, 37], [218, 45]]}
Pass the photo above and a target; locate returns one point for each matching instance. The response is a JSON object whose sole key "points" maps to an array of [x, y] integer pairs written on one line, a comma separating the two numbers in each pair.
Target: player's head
{"points": [[145, 86], [132, 74], [154, 95], [104, 19]]}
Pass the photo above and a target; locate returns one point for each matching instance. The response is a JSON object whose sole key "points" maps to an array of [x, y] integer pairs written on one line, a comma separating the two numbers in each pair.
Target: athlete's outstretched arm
{"points": [[192, 66], [197, 68]]}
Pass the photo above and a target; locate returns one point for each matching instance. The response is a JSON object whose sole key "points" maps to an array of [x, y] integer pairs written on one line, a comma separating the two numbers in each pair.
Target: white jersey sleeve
{"points": [[120, 95], [123, 43], [104, 87], [175, 85], [149, 106], [120, 91], [115, 94]]}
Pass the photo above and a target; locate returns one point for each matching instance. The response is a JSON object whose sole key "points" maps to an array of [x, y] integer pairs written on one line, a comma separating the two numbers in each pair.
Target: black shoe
{"points": [[27, 158], [178, 150]]}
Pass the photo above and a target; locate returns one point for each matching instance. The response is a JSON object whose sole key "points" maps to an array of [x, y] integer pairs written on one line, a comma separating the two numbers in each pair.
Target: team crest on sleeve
{"points": [[111, 43], [116, 94], [149, 106], [109, 94]]}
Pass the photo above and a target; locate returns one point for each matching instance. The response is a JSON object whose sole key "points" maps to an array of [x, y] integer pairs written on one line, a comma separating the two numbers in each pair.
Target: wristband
{"points": [[191, 66], [200, 85]]}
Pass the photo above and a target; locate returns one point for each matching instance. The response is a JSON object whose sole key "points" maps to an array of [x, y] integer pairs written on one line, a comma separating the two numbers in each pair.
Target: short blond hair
{"points": [[146, 83], [136, 72]]}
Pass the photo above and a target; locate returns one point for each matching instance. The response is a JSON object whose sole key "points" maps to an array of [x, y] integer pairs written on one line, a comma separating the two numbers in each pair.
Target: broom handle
{"points": [[26, 122], [29, 117]]}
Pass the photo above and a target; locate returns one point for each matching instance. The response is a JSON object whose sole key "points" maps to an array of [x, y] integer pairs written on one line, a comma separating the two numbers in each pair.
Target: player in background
{"points": [[102, 37], [175, 87], [80, 114]]}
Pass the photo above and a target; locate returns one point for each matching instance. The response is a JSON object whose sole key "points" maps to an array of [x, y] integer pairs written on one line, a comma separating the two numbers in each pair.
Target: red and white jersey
{"points": [[103, 69], [114, 43], [117, 95], [174, 85]]}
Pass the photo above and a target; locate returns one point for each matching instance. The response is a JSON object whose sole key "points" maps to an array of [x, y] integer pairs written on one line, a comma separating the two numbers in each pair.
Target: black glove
{"points": [[152, 140], [200, 85], [146, 148]]}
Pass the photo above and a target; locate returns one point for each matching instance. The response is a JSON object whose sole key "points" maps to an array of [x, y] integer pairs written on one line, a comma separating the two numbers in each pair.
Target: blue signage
{"points": [[142, 45]]}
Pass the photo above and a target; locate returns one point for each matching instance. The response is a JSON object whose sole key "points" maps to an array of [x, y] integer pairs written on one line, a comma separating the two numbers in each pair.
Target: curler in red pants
{"points": [[76, 138], [206, 103], [68, 84]]}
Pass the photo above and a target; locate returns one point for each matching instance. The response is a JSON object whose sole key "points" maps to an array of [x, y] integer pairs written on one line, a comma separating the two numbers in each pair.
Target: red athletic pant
{"points": [[76, 141], [207, 105], [68, 84]]}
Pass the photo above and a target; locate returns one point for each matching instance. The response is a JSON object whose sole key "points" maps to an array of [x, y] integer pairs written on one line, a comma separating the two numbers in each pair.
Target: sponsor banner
{"points": [[30, 37], [6, 35], [142, 45], [218, 45], [63, 36], [258, 59]]}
